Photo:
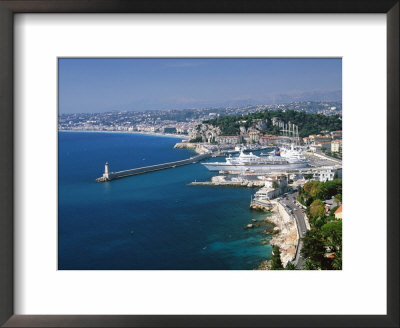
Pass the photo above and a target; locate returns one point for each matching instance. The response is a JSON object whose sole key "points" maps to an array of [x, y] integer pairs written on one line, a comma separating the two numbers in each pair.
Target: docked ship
{"points": [[250, 162], [293, 153]]}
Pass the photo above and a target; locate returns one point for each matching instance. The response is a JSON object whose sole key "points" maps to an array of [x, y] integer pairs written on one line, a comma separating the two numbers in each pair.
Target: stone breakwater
{"points": [[286, 237], [225, 181]]}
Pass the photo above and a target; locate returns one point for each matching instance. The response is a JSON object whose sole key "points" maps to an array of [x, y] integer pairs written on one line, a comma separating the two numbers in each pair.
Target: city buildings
{"points": [[336, 146]]}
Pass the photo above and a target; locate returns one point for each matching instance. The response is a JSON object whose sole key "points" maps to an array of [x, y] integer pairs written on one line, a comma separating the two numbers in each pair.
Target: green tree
{"points": [[316, 189], [307, 187], [331, 188], [275, 185], [338, 198], [169, 130], [317, 208], [333, 210], [313, 250], [290, 266], [332, 233], [337, 262], [338, 183], [198, 139], [276, 263], [311, 265]]}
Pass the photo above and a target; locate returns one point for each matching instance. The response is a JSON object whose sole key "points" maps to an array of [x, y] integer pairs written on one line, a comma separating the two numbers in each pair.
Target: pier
{"points": [[108, 176]]}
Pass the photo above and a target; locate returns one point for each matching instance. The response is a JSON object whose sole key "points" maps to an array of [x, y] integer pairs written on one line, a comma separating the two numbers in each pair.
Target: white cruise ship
{"points": [[251, 162]]}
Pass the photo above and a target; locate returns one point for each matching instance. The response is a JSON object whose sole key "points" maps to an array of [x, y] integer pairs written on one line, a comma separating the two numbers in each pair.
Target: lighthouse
{"points": [[106, 174]]}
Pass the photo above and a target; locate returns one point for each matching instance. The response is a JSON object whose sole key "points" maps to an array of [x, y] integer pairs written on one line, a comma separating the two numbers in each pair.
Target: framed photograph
{"points": [[188, 164]]}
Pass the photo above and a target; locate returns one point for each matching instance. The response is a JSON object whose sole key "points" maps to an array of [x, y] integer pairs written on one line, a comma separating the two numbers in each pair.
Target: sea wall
{"points": [[307, 222], [221, 180]]}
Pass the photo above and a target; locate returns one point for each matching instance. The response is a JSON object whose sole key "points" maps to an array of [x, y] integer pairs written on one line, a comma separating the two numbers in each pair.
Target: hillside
{"points": [[307, 123]]}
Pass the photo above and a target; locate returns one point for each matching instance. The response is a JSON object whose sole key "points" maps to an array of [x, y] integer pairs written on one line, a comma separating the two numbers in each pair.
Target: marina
{"points": [[260, 164]]}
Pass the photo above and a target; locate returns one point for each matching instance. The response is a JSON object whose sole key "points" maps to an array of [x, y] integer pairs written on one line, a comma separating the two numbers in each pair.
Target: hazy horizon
{"points": [[95, 85]]}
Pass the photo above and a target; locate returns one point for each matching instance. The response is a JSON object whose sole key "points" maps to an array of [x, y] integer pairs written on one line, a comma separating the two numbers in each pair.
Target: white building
{"points": [[269, 191], [315, 148], [254, 135], [324, 175], [336, 146], [227, 139], [280, 180]]}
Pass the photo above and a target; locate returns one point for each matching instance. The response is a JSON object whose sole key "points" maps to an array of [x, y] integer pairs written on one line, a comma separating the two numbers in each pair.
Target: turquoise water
{"points": [[149, 221]]}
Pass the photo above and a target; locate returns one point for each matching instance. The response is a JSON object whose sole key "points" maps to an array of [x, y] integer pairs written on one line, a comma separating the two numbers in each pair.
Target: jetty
{"points": [[109, 176]]}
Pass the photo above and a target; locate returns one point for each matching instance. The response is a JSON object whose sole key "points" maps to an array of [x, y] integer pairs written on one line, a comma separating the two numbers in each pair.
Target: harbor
{"points": [[276, 177], [277, 182], [276, 174]]}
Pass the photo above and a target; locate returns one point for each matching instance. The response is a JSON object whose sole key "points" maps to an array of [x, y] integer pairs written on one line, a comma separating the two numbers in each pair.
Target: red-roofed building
{"points": [[338, 213]]}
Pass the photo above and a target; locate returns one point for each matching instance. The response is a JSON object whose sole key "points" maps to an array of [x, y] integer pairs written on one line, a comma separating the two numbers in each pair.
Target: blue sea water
{"points": [[150, 221]]}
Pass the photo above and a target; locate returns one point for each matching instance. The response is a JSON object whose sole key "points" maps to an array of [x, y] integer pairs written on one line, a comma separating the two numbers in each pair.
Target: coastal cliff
{"points": [[187, 145], [198, 148]]}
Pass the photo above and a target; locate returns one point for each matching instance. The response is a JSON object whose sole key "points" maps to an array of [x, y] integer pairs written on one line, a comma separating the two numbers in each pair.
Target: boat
{"points": [[293, 153], [250, 162]]}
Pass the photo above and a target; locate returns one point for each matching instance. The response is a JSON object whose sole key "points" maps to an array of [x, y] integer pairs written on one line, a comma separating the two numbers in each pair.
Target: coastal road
{"points": [[291, 204]]}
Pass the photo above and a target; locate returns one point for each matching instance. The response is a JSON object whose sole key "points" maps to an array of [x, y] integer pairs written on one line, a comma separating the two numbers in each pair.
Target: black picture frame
{"points": [[10, 7]]}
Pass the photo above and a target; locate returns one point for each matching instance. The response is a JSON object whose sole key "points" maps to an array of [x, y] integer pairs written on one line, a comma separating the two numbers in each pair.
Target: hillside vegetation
{"points": [[322, 245], [307, 123]]}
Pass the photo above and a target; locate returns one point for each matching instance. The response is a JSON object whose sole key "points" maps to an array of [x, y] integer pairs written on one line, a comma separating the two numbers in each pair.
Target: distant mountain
{"points": [[335, 95], [309, 96]]}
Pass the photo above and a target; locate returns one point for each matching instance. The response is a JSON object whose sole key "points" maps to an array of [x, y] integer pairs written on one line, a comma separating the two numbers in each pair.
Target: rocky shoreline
{"points": [[285, 235], [284, 232], [198, 148]]}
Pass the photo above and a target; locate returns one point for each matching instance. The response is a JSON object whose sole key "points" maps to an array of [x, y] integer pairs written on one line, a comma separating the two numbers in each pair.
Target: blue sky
{"points": [[107, 84]]}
